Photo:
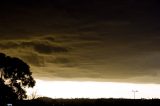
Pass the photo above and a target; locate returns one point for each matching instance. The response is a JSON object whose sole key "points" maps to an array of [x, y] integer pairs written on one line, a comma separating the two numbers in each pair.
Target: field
{"points": [[87, 102]]}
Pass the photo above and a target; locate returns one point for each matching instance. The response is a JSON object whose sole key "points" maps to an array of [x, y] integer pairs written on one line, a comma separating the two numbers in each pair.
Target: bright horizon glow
{"points": [[89, 89]]}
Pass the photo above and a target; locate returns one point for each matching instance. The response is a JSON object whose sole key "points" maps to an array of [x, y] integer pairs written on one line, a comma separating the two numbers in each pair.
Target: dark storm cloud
{"points": [[114, 40], [61, 60], [52, 39], [38, 60], [44, 47], [8, 45], [38, 46]]}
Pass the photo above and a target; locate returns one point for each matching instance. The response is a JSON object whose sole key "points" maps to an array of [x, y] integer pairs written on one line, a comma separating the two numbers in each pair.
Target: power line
{"points": [[134, 93]]}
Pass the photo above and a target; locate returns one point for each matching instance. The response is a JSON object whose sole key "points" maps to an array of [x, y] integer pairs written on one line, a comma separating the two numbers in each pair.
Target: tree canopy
{"points": [[15, 76]]}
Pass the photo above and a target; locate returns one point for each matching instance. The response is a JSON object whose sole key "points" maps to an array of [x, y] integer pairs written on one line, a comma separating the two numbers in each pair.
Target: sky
{"points": [[90, 40], [90, 89]]}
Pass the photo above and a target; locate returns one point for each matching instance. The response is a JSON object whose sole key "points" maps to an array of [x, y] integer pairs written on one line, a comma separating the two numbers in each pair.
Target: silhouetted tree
{"points": [[15, 76]]}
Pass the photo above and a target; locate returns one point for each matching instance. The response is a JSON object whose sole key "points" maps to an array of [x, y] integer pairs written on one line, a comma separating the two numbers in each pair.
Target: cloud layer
{"points": [[118, 43]]}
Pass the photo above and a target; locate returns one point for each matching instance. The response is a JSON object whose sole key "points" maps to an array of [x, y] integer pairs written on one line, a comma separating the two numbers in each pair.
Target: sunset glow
{"points": [[77, 89]]}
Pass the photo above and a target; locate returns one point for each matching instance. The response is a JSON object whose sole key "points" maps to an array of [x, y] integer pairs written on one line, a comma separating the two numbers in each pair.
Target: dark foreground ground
{"points": [[88, 102]]}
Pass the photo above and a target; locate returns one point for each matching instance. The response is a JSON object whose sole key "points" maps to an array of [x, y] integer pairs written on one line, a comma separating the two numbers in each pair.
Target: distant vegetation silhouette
{"points": [[45, 101], [15, 76]]}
